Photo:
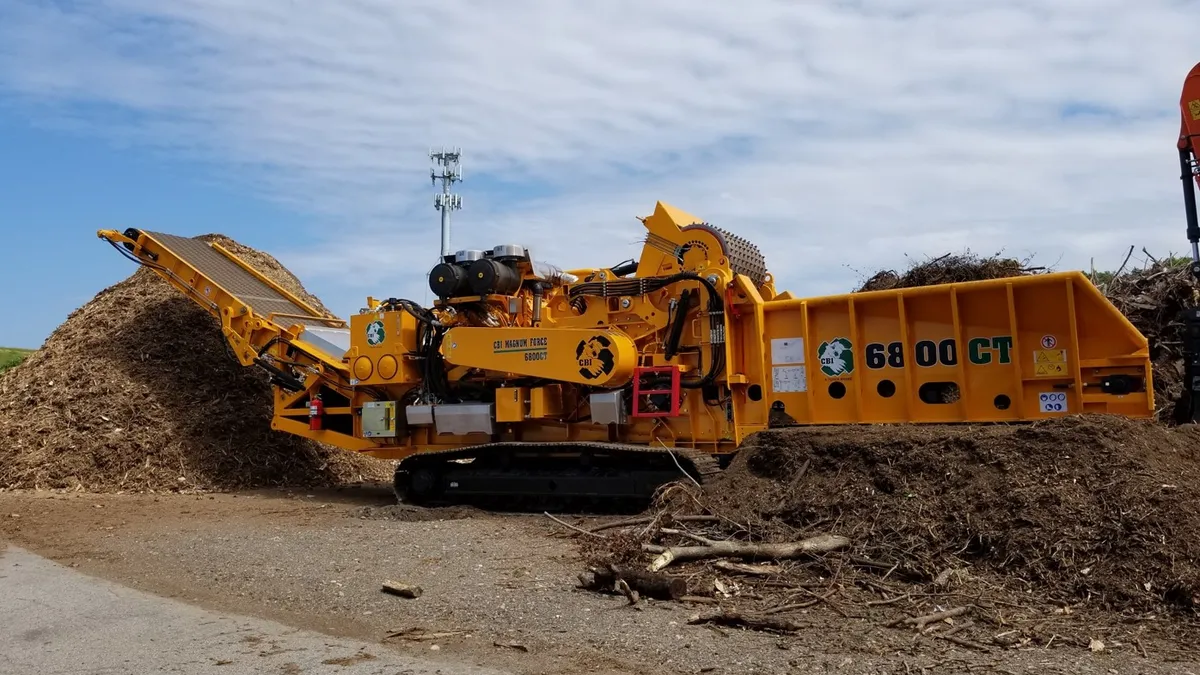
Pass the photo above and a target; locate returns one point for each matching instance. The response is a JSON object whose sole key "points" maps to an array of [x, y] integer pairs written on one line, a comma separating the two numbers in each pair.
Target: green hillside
{"points": [[10, 357]]}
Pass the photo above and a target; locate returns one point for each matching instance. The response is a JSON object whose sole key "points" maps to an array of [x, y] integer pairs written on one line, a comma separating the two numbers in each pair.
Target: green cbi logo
{"points": [[980, 352]]}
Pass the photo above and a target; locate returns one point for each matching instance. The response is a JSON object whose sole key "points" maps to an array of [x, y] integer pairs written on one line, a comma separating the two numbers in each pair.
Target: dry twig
{"points": [[919, 622], [567, 525]]}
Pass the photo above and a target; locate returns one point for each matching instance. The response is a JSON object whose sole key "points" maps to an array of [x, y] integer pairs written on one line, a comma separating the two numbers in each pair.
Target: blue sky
{"points": [[841, 137], [59, 188]]}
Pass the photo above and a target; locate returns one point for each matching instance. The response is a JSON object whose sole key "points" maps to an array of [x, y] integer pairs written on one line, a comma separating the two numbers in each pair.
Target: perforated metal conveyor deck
{"points": [[261, 298]]}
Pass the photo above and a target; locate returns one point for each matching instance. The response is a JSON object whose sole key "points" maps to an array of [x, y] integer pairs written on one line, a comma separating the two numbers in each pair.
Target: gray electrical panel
{"points": [[379, 419], [608, 407]]}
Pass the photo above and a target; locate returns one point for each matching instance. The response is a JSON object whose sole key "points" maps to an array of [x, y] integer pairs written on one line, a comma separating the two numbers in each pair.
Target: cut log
{"points": [[823, 543], [661, 586]]}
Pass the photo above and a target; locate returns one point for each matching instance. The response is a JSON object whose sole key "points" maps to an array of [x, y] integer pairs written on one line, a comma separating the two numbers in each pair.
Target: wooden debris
{"points": [[949, 269], [631, 594], [752, 570], [823, 543], [919, 622], [660, 586], [1152, 299], [418, 634], [401, 589], [755, 621], [646, 520], [961, 642], [572, 527], [889, 601]]}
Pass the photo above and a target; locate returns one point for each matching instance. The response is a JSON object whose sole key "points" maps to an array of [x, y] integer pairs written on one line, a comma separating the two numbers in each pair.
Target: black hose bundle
{"points": [[430, 333], [420, 313]]}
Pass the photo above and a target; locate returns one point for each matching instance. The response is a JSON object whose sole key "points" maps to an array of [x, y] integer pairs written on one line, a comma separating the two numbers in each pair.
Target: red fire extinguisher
{"points": [[316, 410]]}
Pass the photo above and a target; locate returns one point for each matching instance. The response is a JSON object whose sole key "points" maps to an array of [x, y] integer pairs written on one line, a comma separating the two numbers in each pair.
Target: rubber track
{"points": [[701, 463]]}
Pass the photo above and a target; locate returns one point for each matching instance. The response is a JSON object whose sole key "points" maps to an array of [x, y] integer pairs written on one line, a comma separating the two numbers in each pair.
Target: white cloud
{"points": [[836, 135]]}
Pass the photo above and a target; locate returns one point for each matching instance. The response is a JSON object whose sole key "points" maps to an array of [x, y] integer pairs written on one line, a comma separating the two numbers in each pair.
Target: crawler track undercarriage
{"points": [[548, 476]]}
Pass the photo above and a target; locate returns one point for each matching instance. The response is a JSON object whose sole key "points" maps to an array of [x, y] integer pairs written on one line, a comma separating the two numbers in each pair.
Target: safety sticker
{"points": [[1050, 362], [1052, 402], [789, 379], [1194, 108], [787, 350], [1049, 341]]}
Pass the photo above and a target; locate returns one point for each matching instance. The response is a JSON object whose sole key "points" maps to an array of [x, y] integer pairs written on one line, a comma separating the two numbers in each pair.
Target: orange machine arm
{"points": [[1189, 156], [1188, 409]]}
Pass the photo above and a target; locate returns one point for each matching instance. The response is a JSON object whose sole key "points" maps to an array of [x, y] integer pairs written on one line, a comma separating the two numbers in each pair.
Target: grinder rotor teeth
{"points": [[744, 257]]}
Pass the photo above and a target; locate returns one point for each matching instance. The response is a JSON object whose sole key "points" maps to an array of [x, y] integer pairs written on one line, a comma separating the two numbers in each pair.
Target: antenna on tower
{"points": [[446, 201]]}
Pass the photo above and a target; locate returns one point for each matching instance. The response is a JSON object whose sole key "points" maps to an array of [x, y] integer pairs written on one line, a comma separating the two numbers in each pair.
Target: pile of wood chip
{"points": [[138, 391]]}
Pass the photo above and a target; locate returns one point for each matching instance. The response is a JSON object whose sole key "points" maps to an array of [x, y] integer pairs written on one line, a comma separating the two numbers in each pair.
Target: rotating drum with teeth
{"points": [[744, 257]]}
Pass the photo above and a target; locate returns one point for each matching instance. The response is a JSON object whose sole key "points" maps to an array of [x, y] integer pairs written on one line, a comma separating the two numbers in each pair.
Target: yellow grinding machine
{"points": [[526, 380]]}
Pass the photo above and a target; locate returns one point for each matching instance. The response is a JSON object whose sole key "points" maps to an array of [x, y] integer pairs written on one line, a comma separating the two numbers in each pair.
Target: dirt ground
{"points": [[500, 589]]}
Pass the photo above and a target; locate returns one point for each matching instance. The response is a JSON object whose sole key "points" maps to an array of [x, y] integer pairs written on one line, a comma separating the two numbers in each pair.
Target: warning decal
{"points": [[1050, 363], [1052, 402], [789, 379], [787, 350]]}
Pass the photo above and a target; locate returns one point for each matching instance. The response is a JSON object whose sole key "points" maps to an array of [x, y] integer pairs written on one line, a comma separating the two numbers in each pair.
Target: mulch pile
{"points": [[137, 391], [1097, 508], [1080, 531]]}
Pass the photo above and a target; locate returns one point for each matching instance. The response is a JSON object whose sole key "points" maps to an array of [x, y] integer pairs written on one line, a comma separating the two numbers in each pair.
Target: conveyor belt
{"points": [[227, 274], [262, 299]]}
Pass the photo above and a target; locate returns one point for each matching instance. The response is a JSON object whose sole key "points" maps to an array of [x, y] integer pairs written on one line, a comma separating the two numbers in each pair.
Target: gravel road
{"points": [[57, 620], [498, 590]]}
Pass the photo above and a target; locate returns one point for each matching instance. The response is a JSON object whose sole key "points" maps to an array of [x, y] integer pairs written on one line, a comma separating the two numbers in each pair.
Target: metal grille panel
{"points": [[227, 274]]}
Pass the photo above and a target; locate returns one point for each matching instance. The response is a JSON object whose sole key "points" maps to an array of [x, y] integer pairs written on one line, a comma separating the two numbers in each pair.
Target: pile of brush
{"points": [[949, 269], [1152, 298]]}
